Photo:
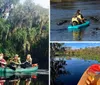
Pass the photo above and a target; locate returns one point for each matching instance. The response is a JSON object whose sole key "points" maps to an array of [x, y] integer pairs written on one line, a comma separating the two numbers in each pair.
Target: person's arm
{"points": [[19, 62], [3, 62], [82, 18], [31, 61]]}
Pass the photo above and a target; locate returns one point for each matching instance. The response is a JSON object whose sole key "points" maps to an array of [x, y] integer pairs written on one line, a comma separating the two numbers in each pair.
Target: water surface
{"points": [[76, 68], [38, 78]]}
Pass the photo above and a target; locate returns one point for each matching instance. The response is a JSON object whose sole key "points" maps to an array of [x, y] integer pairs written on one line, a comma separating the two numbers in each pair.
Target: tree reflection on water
{"points": [[20, 79]]}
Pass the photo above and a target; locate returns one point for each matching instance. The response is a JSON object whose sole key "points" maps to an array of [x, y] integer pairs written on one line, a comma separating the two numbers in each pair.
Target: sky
{"points": [[80, 45], [43, 3]]}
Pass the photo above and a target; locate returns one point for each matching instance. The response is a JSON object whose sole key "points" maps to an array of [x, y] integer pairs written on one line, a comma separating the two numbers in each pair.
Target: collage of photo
{"points": [[49, 42]]}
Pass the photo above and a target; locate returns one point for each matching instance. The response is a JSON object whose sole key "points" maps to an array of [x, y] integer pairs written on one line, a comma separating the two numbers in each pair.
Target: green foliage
{"points": [[91, 53], [4, 2], [56, 48], [23, 31]]}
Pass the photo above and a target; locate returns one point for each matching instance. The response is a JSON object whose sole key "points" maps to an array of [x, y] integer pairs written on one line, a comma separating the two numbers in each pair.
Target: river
{"points": [[65, 11], [75, 68]]}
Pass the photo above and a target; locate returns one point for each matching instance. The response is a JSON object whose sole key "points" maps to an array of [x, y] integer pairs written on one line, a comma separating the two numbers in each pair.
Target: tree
{"points": [[23, 28]]}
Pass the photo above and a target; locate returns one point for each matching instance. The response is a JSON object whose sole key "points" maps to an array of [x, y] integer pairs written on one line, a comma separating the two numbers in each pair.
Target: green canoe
{"points": [[19, 70]]}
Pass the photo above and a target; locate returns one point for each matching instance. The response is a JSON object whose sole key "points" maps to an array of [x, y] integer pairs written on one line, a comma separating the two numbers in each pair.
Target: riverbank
{"points": [[90, 52], [80, 57]]}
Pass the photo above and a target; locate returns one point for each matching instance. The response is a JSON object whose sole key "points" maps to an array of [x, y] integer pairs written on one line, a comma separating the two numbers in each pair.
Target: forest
{"points": [[88, 53], [24, 29]]}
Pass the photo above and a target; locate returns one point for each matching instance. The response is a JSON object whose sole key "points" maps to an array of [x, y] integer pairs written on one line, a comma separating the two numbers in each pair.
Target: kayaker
{"points": [[80, 16], [29, 59], [2, 60], [28, 62], [16, 61], [76, 20]]}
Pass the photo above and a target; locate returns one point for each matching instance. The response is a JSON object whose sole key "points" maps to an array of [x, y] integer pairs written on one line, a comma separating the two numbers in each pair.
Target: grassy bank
{"points": [[91, 53]]}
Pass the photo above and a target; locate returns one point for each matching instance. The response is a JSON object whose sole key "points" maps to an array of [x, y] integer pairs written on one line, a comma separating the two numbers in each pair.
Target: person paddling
{"points": [[80, 16], [15, 62], [28, 62], [2, 60], [29, 59], [77, 19]]}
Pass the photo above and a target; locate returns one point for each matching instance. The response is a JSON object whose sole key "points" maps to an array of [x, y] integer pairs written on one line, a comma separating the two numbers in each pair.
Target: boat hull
{"points": [[78, 27], [91, 76], [19, 70]]}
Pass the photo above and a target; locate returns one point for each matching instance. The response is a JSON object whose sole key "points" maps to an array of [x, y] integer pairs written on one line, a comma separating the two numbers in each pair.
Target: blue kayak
{"points": [[78, 27]]}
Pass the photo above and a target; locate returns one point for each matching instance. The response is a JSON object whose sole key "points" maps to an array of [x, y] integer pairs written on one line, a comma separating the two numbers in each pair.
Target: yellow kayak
{"points": [[91, 76]]}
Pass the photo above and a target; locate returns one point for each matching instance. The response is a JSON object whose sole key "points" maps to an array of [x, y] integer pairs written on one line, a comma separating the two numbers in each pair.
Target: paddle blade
{"points": [[62, 22]]}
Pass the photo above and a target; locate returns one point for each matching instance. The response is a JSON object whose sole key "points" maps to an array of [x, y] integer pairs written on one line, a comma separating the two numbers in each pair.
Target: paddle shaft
{"points": [[62, 22]]}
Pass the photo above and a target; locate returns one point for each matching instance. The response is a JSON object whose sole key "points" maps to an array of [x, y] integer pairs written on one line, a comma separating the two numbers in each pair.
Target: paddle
{"points": [[11, 67], [62, 22], [24, 66], [5, 64]]}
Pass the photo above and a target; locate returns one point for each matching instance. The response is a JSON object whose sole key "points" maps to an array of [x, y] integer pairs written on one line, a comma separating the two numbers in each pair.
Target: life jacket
{"points": [[16, 61], [74, 19], [79, 16], [3, 62]]}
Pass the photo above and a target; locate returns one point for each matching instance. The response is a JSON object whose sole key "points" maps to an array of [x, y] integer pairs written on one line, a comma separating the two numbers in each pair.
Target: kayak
{"points": [[78, 27], [91, 76], [34, 68]]}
